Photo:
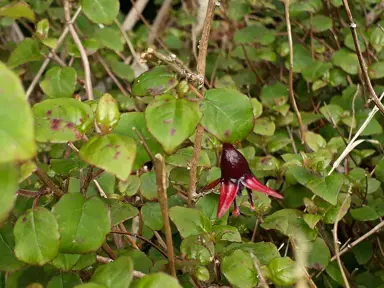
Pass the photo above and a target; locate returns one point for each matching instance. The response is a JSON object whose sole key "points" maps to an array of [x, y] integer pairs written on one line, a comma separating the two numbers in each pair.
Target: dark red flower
{"points": [[235, 175]]}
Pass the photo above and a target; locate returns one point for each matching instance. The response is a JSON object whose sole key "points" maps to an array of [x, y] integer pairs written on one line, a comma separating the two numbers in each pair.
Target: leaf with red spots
{"points": [[113, 153], [61, 120], [171, 121], [227, 114], [154, 82], [17, 141]]}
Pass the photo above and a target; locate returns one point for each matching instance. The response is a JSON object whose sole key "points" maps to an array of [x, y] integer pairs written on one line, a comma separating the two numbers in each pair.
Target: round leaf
{"points": [[101, 11], [8, 261], [64, 280], [198, 247], [346, 60], [171, 121], [107, 113], [227, 114], [110, 38], [36, 236], [158, 280], [148, 186], [113, 153], [61, 120], [189, 221], [16, 125], [239, 269], [121, 212], [116, 274], [152, 217], [154, 82], [282, 271], [59, 82], [26, 51], [83, 224]]}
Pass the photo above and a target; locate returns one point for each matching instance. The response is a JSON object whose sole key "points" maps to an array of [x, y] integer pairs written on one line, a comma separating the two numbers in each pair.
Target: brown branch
{"points": [[363, 66], [83, 53], [87, 181], [159, 21], [336, 242], [107, 249], [110, 73], [161, 181], [176, 65], [48, 182], [133, 15], [201, 63], [50, 55], [143, 142], [291, 93]]}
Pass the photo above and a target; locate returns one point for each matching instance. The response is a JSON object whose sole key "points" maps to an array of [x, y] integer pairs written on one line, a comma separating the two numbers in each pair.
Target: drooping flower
{"points": [[235, 175]]}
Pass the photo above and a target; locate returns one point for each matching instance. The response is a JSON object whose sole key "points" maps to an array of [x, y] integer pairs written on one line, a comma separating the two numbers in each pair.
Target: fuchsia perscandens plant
{"points": [[235, 175]]}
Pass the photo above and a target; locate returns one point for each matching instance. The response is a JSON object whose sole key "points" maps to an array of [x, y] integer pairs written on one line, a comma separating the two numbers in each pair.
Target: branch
{"points": [[48, 182], [363, 66], [83, 53], [201, 63], [50, 55], [159, 20], [175, 65], [336, 242], [161, 181], [134, 14], [291, 93]]}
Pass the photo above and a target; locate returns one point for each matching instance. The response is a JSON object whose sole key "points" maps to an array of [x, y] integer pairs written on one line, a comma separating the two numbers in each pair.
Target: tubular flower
{"points": [[235, 175]]}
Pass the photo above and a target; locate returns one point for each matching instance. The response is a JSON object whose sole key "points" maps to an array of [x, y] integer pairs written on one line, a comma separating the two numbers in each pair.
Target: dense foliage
{"points": [[81, 199]]}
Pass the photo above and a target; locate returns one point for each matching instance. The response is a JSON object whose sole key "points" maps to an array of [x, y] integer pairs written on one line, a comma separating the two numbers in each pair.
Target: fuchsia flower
{"points": [[235, 174]]}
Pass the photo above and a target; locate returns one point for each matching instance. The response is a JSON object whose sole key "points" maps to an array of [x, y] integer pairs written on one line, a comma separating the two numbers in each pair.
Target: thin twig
{"points": [[87, 181], [128, 41], [336, 241], [161, 17], [260, 275], [175, 65], [143, 142], [48, 182], [291, 93], [133, 15], [83, 53], [201, 63], [50, 55], [161, 181], [363, 66], [129, 238], [110, 73]]}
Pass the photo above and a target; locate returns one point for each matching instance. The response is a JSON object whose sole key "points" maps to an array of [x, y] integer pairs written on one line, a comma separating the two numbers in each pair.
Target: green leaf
{"points": [[227, 114], [363, 252], [346, 60], [9, 179], [379, 171], [89, 285], [326, 187], [148, 186], [257, 107], [198, 247], [288, 222], [64, 280], [282, 271], [189, 221], [239, 269], [121, 212], [332, 111], [152, 217], [158, 280], [16, 125], [42, 28], [107, 113], [376, 70], [61, 120], [319, 255], [65, 262], [274, 95], [321, 23], [171, 121], [317, 71], [26, 51], [302, 59], [365, 213], [18, 10], [314, 141], [226, 233], [131, 186], [116, 274], [247, 35], [59, 82], [154, 82], [113, 153], [264, 126], [183, 158], [208, 204], [83, 224], [110, 38], [8, 261], [124, 127], [101, 11], [36, 237]]}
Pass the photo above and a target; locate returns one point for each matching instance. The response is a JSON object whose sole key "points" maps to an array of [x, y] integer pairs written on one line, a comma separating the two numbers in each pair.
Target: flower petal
{"points": [[251, 183], [211, 185], [228, 191]]}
